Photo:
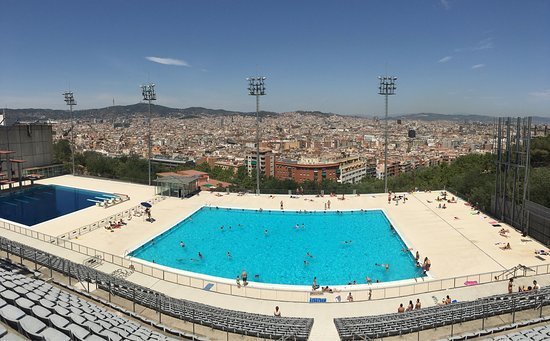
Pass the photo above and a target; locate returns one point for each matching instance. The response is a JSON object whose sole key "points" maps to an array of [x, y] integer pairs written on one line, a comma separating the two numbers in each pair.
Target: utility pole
{"points": [[148, 92], [256, 87], [386, 88]]}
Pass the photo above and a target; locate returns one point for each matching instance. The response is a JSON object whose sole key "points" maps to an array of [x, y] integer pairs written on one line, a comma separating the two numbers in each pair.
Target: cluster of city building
{"points": [[297, 146]]}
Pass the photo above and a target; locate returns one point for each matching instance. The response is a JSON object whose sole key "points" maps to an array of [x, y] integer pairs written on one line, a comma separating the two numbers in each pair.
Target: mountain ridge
{"points": [[127, 111]]}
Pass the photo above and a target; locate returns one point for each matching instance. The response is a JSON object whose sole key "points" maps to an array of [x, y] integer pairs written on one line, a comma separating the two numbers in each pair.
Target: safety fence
{"points": [[362, 292], [230, 321]]}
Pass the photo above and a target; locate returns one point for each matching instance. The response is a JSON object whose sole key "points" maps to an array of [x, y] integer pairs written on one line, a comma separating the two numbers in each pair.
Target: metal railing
{"points": [[360, 293], [128, 213], [243, 323], [387, 325]]}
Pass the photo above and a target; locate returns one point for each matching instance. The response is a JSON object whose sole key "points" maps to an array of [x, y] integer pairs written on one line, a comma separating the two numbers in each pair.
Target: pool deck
{"points": [[456, 241]]}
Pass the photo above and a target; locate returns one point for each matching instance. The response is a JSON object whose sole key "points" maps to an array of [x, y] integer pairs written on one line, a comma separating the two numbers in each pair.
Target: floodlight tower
{"points": [[386, 88], [69, 99], [256, 87], [148, 92]]}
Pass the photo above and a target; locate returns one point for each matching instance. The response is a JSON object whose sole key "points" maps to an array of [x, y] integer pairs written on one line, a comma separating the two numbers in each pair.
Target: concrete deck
{"points": [[457, 242]]}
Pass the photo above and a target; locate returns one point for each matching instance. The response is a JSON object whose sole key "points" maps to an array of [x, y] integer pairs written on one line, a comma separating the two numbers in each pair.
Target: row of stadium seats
{"points": [[40, 311], [535, 334], [438, 316], [541, 332], [263, 326]]}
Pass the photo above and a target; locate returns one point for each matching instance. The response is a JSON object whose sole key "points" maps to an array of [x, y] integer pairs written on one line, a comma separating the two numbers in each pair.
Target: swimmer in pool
{"points": [[386, 266]]}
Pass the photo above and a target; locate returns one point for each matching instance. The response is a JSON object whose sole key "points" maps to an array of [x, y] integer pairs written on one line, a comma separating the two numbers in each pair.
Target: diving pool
{"points": [[273, 246], [39, 203]]}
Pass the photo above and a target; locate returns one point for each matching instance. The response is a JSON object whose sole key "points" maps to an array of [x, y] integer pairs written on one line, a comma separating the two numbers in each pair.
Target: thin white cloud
{"points": [[477, 66], [541, 94], [168, 61], [445, 59], [483, 44], [446, 4]]}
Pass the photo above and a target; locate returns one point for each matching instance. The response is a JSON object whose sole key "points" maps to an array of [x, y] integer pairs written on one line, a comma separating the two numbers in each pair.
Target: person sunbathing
{"points": [[503, 233], [114, 225], [327, 289], [506, 247]]}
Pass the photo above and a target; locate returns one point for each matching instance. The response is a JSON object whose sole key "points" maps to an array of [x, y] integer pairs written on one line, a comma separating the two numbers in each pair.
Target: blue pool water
{"points": [[278, 256], [40, 203]]}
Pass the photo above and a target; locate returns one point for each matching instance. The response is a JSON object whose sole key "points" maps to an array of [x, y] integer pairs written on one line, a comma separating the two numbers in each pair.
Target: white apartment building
{"points": [[267, 162], [352, 169]]}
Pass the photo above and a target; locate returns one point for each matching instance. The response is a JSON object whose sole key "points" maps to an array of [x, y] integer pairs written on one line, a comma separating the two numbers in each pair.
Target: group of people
{"points": [[410, 307], [308, 256], [396, 198], [445, 301], [115, 225], [522, 288], [444, 198]]}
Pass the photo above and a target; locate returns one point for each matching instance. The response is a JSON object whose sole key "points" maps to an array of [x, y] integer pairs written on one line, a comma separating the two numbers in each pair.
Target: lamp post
{"points": [[256, 88], [148, 92], [386, 88], [69, 99]]}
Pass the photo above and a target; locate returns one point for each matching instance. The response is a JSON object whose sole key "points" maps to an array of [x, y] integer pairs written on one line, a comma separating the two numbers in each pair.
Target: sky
{"points": [[450, 56]]}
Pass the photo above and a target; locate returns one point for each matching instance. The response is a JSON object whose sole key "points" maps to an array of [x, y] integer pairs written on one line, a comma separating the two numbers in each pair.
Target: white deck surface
{"points": [[456, 241]]}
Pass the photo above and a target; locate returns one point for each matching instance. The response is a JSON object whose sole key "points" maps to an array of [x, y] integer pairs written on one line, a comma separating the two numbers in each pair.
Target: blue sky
{"points": [[450, 56]]}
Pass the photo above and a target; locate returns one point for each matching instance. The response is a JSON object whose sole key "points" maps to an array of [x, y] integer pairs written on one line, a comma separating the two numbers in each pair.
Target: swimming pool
{"points": [[39, 203], [343, 247]]}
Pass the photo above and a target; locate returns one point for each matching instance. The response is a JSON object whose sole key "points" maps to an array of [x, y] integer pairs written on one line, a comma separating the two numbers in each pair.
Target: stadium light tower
{"points": [[148, 92], [256, 87], [386, 88], [69, 99]]}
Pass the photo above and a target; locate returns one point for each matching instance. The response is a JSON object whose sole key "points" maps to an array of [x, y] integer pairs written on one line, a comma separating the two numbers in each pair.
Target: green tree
{"points": [[62, 151], [540, 186]]}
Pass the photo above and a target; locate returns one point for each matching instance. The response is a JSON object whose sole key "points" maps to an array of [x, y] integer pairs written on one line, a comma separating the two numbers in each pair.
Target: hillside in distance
{"points": [[140, 109], [118, 112], [460, 118]]}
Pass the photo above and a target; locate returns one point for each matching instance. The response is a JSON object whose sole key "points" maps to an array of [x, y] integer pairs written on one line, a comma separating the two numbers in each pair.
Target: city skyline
{"points": [[473, 57]]}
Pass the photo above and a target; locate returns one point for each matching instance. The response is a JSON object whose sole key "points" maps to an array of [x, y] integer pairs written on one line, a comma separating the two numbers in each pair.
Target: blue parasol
{"points": [[145, 204]]}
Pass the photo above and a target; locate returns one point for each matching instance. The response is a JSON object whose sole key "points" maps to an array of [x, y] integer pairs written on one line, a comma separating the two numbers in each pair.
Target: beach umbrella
{"points": [[145, 204]]}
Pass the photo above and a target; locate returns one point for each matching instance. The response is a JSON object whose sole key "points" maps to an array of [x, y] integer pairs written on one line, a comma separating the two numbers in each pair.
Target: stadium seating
{"points": [[538, 333], [40, 311], [534, 334], [378, 326], [263, 326]]}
